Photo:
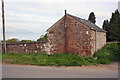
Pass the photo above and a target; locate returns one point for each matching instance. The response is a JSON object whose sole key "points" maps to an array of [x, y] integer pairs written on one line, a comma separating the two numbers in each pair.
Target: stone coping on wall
{"points": [[27, 42]]}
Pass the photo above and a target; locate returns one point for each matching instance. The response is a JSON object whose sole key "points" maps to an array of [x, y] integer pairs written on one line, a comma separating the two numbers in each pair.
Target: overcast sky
{"points": [[29, 19]]}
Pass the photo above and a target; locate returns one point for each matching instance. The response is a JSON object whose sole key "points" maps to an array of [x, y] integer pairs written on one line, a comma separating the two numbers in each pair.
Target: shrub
{"points": [[109, 53]]}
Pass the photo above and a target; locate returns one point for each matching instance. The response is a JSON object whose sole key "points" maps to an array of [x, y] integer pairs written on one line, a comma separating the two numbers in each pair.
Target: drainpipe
{"points": [[65, 32]]}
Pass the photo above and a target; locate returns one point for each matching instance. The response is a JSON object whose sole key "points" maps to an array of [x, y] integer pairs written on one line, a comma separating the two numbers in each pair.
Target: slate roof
{"points": [[88, 23]]}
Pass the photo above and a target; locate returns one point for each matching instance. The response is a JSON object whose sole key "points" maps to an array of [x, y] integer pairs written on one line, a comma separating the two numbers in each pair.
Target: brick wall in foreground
{"points": [[26, 47]]}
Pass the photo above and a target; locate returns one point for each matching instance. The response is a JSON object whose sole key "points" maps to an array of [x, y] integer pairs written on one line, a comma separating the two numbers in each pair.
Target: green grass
{"points": [[108, 54]]}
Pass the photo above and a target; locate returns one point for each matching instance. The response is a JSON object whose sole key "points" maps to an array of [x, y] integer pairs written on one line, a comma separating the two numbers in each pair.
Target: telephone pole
{"points": [[3, 23]]}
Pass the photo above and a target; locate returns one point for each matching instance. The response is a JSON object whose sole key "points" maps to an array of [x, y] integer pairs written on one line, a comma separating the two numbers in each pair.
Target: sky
{"points": [[29, 19]]}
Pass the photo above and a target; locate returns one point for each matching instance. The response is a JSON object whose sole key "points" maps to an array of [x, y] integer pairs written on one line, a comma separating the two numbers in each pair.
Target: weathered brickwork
{"points": [[78, 37], [72, 36], [56, 37], [98, 40], [26, 47]]}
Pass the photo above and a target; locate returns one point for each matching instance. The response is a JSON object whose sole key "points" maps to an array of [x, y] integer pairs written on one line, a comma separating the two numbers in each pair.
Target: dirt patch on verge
{"points": [[113, 66]]}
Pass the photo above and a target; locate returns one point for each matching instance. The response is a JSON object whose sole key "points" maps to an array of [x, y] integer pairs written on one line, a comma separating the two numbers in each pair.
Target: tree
{"points": [[92, 17], [107, 28], [43, 38], [26, 41], [113, 27], [105, 25], [12, 40]]}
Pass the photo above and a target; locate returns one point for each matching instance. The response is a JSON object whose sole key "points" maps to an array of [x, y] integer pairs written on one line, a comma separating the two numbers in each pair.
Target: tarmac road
{"points": [[27, 71]]}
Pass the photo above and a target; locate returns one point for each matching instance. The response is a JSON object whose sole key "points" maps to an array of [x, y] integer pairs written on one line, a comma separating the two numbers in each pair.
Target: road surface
{"points": [[27, 71]]}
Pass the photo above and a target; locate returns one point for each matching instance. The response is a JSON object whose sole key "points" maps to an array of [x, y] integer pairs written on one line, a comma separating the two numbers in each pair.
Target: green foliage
{"points": [[109, 53], [13, 40], [106, 25], [92, 17], [107, 28], [45, 38], [26, 41], [113, 27]]}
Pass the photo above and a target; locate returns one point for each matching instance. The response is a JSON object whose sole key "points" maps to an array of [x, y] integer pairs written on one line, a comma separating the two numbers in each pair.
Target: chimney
{"points": [[65, 12]]}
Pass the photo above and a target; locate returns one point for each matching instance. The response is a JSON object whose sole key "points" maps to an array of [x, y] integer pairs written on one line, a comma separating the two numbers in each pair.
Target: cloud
{"points": [[28, 19], [19, 31]]}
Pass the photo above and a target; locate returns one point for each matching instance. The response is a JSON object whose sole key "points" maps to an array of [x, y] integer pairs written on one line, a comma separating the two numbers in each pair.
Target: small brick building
{"points": [[72, 34]]}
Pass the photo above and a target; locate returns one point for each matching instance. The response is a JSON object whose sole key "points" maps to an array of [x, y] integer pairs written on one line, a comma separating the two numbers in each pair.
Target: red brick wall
{"points": [[77, 38], [26, 47], [56, 37]]}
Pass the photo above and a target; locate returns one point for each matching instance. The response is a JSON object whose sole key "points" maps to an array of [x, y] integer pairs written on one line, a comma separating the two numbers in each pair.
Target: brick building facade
{"points": [[75, 35], [70, 34]]}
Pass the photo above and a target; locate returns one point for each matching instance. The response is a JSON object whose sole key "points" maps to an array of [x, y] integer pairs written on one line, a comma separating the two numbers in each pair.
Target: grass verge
{"points": [[108, 54]]}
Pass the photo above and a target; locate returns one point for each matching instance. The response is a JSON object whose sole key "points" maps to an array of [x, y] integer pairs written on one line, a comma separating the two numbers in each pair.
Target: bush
{"points": [[109, 53]]}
